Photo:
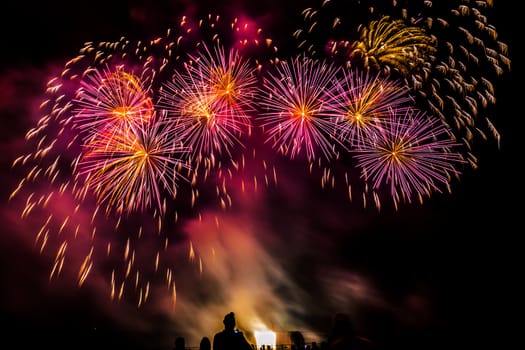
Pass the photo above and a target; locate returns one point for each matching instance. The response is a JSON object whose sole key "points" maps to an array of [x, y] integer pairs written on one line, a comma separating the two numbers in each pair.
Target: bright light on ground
{"points": [[265, 338]]}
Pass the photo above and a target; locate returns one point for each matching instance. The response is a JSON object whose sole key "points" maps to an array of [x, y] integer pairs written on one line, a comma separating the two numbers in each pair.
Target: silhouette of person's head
{"points": [[297, 339], [205, 344], [230, 338], [229, 321], [180, 344]]}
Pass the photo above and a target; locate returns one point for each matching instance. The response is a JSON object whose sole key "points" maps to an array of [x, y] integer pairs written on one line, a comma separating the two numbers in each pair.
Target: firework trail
{"points": [[448, 53]]}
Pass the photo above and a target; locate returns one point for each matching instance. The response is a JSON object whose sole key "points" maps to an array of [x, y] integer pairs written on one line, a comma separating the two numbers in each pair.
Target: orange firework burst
{"points": [[129, 169]]}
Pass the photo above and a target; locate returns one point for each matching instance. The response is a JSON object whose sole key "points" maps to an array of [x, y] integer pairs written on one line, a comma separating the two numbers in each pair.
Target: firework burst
{"points": [[209, 98], [388, 44], [112, 99], [413, 155], [362, 100], [124, 122], [99, 140], [230, 78], [295, 112], [209, 101], [199, 117], [130, 169]]}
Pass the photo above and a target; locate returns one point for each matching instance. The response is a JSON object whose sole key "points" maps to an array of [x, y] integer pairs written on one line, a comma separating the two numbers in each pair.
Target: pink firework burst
{"points": [[112, 99], [413, 154], [198, 116], [210, 99], [229, 78], [295, 112]]}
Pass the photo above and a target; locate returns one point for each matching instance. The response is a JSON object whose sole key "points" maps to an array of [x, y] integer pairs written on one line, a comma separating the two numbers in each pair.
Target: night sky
{"points": [[424, 276]]}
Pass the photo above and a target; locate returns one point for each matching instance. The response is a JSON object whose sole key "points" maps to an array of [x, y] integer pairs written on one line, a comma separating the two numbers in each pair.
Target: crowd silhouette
{"points": [[341, 336]]}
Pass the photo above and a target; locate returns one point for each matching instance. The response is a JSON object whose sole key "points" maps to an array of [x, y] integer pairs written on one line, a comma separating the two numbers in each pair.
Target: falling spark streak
{"points": [[85, 268], [174, 293], [191, 252]]}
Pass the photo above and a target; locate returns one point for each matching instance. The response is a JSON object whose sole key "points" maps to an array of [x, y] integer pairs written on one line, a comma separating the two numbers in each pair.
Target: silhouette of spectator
{"points": [[230, 338], [180, 343], [297, 340], [343, 336], [205, 344]]}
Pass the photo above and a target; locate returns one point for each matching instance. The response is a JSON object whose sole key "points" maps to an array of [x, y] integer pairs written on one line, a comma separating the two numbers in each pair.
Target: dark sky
{"points": [[419, 277]]}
